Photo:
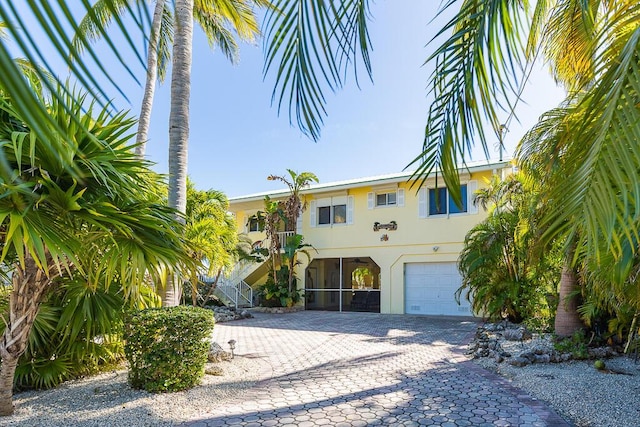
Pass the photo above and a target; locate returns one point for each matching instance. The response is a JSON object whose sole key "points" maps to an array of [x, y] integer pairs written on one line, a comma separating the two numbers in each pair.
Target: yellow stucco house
{"points": [[382, 245]]}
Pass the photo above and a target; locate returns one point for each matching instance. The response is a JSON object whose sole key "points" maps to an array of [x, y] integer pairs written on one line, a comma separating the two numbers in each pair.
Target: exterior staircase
{"points": [[236, 294], [231, 289]]}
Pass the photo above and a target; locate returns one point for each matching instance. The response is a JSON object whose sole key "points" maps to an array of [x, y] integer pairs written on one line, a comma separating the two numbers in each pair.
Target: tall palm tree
{"points": [[101, 217], [592, 49], [216, 18]]}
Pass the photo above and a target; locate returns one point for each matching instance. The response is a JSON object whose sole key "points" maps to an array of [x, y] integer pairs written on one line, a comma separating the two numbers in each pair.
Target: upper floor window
{"points": [[441, 202], [335, 214], [385, 198], [438, 201], [255, 224], [331, 210]]}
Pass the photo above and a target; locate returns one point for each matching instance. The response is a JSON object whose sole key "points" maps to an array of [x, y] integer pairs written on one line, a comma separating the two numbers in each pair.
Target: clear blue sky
{"points": [[237, 139]]}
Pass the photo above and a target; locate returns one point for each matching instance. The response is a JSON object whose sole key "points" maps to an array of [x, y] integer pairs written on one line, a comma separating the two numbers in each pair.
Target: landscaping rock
{"points": [[228, 314], [602, 353], [519, 361], [499, 341], [519, 334], [218, 354]]}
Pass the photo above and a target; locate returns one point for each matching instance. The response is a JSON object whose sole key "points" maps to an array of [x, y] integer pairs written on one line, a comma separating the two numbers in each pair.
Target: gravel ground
{"points": [[580, 393], [107, 399]]}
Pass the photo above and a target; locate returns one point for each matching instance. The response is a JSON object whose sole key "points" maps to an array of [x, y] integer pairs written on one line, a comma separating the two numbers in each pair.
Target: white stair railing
{"points": [[245, 294]]}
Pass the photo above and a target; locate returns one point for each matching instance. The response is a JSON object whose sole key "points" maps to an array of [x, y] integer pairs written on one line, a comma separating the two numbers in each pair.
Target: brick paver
{"points": [[364, 369]]}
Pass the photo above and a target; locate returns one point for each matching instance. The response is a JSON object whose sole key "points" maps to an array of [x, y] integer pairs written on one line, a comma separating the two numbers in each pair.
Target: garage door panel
{"points": [[430, 289]]}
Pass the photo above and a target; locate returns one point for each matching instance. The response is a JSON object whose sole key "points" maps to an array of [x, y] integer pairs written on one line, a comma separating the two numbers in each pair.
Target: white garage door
{"points": [[430, 288]]}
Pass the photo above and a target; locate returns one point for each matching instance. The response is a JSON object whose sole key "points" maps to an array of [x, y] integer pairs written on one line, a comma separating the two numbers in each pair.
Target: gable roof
{"points": [[367, 181]]}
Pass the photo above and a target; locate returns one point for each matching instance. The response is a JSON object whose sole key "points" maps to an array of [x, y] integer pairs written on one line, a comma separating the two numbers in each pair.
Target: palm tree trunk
{"points": [[7, 372], [179, 121], [567, 320], [29, 287], [180, 96], [150, 85]]}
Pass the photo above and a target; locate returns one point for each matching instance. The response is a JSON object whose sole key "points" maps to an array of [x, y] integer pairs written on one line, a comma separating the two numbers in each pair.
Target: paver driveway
{"points": [[361, 369]]}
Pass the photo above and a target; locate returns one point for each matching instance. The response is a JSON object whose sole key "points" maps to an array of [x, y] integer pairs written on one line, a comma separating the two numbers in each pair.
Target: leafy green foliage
{"points": [[310, 47], [78, 331], [575, 344], [286, 212], [278, 293], [505, 275], [167, 347], [212, 238]]}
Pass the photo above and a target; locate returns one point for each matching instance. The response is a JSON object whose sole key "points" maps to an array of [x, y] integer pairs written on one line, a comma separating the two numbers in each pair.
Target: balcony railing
{"points": [[282, 240]]}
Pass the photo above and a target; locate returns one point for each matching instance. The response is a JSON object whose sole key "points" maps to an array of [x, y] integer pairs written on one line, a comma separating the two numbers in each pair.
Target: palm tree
{"points": [[590, 47], [505, 273], [99, 215], [212, 235], [216, 18], [289, 210]]}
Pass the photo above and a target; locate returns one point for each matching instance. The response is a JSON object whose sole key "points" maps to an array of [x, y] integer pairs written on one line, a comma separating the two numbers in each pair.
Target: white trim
{"points": [[400, 197], [350, 205], [370, 200], [422, 203], [312, 213]]}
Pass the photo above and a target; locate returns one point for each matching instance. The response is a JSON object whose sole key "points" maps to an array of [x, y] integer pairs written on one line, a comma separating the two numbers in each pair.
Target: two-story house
{"points": [[382, 244]]}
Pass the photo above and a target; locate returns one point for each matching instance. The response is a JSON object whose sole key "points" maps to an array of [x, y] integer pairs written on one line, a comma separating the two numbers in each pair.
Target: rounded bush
{"points": [[167, 347]]}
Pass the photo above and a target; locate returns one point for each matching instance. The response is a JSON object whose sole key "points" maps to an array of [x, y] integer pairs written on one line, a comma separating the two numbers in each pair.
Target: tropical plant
{"points": [[216, 18], [212, 235], [287, 212], [93, 208], [167, 347], [77, 331], [505, 273], [276, 293], [592, 156]]}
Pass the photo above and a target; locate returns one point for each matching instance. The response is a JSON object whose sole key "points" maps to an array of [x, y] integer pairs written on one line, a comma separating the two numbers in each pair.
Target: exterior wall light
{"points": [[435, 248]]}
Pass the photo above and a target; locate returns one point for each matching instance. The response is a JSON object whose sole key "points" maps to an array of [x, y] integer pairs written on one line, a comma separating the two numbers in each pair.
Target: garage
{"points": [[430, 288]]}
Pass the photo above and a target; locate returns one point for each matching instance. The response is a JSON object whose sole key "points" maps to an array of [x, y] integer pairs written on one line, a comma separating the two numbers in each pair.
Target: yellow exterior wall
{"points": [[431, 239]]}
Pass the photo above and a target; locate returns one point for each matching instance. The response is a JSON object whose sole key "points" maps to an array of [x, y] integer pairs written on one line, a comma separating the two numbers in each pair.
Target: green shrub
{"points": [[278, 294], [576, 344], [167, 347]]}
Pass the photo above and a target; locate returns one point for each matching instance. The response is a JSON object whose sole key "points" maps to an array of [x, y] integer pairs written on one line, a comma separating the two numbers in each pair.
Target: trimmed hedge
{"points": [[167, 347]]}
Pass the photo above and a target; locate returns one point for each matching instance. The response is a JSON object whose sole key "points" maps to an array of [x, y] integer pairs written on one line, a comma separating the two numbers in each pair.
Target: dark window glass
{"points": [[391, 198], [324, 215], [385, 199], [437, 201], [254, 224]]}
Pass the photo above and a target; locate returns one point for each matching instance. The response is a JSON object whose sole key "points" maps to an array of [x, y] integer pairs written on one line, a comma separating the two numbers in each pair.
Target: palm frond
{"points": [[476, 73], [310, 46], [54, 19]]}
